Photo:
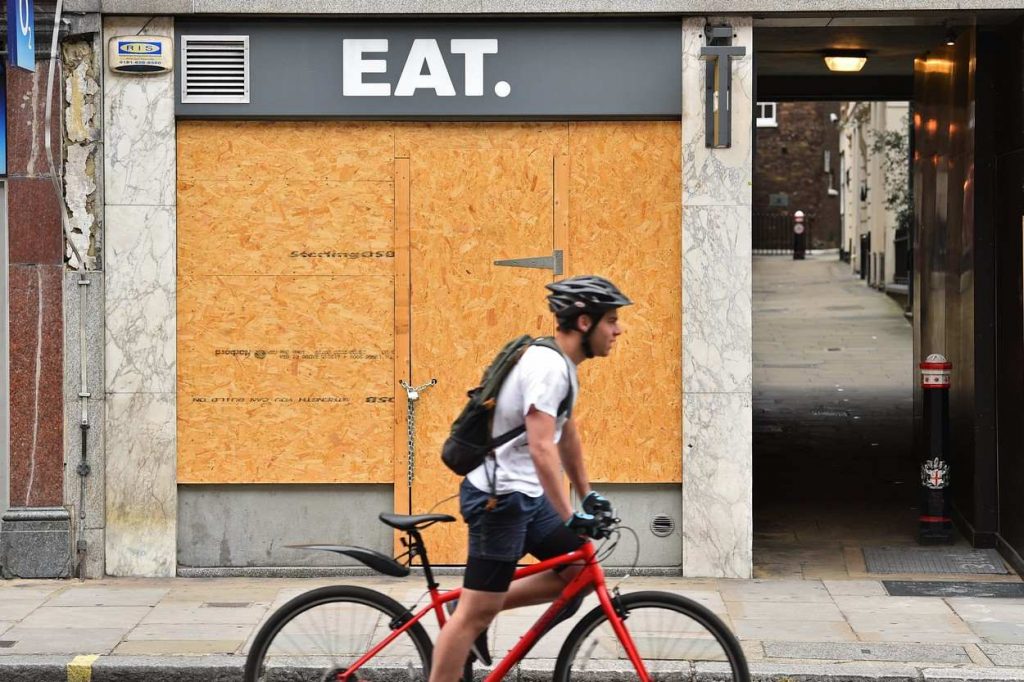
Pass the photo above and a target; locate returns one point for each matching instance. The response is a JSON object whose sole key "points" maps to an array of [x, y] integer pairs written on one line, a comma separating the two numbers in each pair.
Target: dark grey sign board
{"points": [[450, 69]]}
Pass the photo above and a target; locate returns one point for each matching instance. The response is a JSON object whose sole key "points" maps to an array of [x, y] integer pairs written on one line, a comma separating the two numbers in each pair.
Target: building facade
{"points": [[797, 165], [309, 210], [877, 204]]}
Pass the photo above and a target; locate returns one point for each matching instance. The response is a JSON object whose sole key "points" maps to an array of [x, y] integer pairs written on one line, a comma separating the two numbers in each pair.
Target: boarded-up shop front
{"points": [[324, 258]]}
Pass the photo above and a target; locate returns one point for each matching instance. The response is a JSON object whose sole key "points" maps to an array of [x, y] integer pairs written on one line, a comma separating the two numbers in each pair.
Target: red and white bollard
{"points": [[936, 523], [799, 236]]}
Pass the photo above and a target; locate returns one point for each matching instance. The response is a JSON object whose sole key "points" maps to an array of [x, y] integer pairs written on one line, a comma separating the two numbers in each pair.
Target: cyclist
{"points": [[530, 511]]}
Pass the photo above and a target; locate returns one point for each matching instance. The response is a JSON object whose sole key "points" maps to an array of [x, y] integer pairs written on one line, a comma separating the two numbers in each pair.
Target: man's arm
{"points": [[540, 434], [571, 451]]}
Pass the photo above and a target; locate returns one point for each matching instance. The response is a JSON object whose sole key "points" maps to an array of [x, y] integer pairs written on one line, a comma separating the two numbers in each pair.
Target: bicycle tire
{"points": [[574, 658], [291, 624]]}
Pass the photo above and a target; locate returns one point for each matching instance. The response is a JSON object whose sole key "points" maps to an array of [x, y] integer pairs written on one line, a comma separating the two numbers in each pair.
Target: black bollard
{"points": [[935, 524]]}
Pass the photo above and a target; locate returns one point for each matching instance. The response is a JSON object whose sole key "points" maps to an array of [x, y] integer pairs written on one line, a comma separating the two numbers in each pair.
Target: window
{"points": [[766, 115]]}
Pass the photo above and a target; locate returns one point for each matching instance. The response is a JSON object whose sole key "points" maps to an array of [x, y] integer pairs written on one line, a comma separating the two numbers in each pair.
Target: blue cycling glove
{"points": [[595, 502], [580, 522]]}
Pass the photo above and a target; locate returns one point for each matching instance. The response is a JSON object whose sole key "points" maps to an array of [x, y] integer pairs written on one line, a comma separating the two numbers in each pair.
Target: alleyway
{"points": [[833, 464]]}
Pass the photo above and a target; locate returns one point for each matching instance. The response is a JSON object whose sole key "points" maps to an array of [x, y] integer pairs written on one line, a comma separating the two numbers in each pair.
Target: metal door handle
{"points": [[552, 262]]}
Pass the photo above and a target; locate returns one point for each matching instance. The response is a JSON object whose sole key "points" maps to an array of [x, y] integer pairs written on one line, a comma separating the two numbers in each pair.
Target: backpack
{"points": [[470, 441]]}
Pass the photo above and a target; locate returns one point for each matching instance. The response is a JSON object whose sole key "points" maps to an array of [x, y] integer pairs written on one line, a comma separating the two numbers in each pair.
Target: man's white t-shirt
{"points": [[541, 378]]}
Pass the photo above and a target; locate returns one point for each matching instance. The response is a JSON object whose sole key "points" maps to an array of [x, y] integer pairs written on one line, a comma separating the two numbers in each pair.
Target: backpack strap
{"points": [[564, 407]]}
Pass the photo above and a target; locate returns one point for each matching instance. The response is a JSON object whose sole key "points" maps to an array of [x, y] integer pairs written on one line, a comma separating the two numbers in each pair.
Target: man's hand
{"points": [[595, 503], [581, 523]]}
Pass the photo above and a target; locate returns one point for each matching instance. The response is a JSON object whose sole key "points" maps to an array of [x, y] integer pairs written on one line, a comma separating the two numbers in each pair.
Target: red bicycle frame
{"points": [[591, 576]]}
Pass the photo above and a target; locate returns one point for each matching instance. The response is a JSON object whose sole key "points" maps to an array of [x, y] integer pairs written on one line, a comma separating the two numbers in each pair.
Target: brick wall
{"points": [[790, 160]]}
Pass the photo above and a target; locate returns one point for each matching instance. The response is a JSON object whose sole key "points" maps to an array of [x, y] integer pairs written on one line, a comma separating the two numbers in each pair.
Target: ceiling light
{"points": [[845, 60], [951, 37]]}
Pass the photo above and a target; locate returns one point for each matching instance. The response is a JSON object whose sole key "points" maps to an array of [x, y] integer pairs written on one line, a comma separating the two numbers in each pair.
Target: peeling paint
{"points": [[81, 136]]}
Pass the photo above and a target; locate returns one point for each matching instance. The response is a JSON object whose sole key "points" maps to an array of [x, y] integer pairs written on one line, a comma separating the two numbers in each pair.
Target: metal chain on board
{"points": [[413, 394]]}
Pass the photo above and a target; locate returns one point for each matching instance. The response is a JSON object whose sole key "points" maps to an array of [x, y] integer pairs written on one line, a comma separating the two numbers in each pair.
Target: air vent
{"points": [[216, 69], [662, 525]]}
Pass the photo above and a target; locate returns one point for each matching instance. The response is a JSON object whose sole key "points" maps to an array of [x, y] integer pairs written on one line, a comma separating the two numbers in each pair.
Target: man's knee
{"points": [[477, 609]]}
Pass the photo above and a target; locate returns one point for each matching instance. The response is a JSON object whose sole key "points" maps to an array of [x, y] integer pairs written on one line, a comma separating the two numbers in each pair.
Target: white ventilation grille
{"points": [[216, 69]]}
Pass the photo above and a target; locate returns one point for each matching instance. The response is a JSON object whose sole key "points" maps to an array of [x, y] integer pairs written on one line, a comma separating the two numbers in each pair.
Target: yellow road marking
{"points": [[80, 668]]}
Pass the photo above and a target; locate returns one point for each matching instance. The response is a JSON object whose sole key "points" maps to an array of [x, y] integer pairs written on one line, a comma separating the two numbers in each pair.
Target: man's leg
{"points": [[476, 610], [542, 588], [547, 537]]}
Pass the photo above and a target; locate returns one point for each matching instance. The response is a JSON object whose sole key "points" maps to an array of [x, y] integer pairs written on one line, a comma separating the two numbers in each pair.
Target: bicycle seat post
{"points": [[418, 549]]}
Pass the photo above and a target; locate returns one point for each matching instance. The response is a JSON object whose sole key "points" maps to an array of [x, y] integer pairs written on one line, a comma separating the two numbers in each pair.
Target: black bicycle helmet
{"points": [[586, 294]]}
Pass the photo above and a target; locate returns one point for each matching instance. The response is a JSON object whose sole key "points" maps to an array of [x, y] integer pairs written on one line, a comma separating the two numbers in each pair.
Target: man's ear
{"points": [[584, 322]]}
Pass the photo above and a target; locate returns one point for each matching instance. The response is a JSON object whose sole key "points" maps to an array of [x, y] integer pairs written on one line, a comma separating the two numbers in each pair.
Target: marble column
{"points": [[35, 531], [717, 329], [139, 188]]}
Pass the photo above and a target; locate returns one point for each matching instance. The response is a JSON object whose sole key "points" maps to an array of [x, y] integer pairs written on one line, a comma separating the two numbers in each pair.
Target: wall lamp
{"points": [[845, 60]]}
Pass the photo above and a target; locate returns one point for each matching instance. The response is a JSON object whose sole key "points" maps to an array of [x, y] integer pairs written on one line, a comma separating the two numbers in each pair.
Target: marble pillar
{"points": [[35, 529], [717, 523], [139, 218]]}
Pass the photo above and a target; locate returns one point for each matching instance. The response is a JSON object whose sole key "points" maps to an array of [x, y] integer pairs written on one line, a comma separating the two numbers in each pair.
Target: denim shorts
{"points": [[515, 527]]}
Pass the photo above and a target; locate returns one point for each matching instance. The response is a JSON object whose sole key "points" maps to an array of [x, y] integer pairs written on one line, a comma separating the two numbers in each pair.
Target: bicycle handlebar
{"points": [[601, 527]]}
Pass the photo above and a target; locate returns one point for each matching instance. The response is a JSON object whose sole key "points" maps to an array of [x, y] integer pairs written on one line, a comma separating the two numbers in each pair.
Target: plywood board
{"points": [[625, 224], [285, 227], [417, 139], [403, 367], [285, 379], [338, 151], [285, 302], [469, 208]]}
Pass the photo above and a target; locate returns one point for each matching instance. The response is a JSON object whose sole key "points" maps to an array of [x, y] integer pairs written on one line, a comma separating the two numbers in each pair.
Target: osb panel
{"points": [[470, 208], [340, 151], [402, 350], [412, 139], [285, 379], [286, 227], [625, 223]]}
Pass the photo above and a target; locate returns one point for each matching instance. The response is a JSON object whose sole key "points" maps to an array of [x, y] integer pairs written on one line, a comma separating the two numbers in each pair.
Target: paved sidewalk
{"points": [[198, 628]]}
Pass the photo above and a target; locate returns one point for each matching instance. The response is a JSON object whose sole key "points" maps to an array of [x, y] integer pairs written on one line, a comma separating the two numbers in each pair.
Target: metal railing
{"points": [[773, 232]]}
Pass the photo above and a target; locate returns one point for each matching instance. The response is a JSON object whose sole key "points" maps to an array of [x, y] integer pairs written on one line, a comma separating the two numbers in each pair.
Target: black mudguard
{"points": [[375, 560]]}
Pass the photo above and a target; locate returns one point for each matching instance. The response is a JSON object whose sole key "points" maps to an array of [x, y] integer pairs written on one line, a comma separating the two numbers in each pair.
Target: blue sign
{"points": [[139, 47], [21, 34]]}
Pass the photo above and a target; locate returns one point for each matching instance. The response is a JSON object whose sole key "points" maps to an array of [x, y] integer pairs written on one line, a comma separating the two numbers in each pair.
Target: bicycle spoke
{"points": [[672, 638], [319, 639]]}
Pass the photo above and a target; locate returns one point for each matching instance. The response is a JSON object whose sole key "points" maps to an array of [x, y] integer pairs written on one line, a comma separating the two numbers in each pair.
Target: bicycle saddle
{"points": [[417, 521]]}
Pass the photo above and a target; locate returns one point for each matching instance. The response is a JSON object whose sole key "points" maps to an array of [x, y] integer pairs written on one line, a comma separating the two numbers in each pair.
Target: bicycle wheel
{"points": [[319, 634], [673, 635]]}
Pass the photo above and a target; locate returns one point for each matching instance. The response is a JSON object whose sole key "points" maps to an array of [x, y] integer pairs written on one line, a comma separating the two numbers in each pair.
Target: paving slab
{"points": [[61, 641], [175, 647], [999, 633], [907, 653], [897, 606], [16, 609], [775, 590], [855, 588], [808, 611], [85, 617], [794, 630], [193, 612], [104, 596]]}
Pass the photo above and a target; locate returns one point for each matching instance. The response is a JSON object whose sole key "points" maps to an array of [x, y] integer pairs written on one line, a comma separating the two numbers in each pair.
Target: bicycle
{"points": [[346, 632]]}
